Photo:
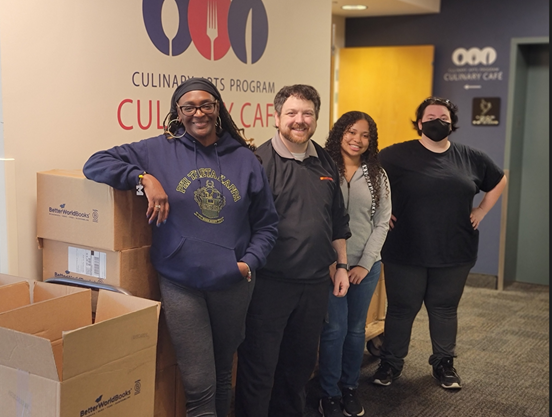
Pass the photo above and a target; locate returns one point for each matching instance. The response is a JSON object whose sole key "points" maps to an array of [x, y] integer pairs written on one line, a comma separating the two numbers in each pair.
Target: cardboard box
{"points": [[6, 279], [14, 292], [167, 375], [166, 356], [170, 399], [130, 269], [169, 392], [180, 396], [165, 392], [375, 318], [14, 296], [18, 292], [73, 209], [54, 362], [378, 304]]}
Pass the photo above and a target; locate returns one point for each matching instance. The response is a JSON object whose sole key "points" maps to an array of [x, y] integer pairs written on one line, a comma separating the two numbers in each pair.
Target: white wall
{"points": [[67, 66], [3, 224]]}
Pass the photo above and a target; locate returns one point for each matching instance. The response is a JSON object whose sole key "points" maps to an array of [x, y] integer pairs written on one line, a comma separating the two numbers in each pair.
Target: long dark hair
{"points": [[369, 157]]}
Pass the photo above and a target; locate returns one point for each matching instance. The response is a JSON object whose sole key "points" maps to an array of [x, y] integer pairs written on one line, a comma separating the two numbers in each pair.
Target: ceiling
{"points": [[386, 7]]}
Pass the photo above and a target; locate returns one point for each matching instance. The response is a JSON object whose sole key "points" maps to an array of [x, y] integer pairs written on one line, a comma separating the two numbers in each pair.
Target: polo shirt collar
{"points": [[283, 151]]}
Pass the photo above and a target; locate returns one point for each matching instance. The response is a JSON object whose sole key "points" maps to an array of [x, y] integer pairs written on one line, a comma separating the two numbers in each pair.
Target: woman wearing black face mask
{"points": [[433, 238]]}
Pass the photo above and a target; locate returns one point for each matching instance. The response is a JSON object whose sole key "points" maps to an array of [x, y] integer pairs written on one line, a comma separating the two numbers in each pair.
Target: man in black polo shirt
{"points": [[290, 298]]}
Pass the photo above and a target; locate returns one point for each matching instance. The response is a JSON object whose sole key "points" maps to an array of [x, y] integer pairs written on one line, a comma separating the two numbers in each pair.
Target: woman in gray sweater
{"points": [[353, 145]]}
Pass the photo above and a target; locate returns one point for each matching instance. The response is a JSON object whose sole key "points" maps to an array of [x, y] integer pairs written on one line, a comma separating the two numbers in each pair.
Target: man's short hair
{"points": [[301, 91]]}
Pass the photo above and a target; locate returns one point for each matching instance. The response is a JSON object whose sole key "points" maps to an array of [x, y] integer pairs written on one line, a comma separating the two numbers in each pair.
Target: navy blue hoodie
{"points": [[221, 206]]}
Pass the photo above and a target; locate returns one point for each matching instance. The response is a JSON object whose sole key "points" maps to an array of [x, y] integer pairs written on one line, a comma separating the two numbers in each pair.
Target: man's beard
{"points": [[288, 134]]}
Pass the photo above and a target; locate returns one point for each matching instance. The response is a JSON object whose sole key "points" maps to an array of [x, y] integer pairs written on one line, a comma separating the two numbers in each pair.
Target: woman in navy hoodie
{"points": [[215, 224]]}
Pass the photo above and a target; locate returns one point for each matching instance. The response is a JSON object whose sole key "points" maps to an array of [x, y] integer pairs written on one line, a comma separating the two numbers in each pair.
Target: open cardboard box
{"points": [[14, 292], [56, 362], [17, 292], [169, 394]]}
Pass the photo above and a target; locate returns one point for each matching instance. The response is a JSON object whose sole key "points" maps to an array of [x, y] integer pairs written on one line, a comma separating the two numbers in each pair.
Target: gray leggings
{"points": [[206, 328]]}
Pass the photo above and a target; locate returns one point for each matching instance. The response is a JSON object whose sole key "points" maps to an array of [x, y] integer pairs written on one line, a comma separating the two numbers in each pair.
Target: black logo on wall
{"points": [[486, 111]]}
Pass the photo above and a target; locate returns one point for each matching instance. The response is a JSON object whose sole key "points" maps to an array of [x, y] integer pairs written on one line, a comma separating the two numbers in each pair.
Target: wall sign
{"points": [[486, 111]]}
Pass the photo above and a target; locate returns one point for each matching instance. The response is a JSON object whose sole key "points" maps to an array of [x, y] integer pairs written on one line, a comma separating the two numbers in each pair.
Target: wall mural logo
{"points": [[474, 56], [473, 66], [212, 25]]}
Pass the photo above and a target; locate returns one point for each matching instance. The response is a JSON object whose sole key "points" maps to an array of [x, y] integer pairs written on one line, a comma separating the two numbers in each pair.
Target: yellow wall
{"points": [[388, 83]]}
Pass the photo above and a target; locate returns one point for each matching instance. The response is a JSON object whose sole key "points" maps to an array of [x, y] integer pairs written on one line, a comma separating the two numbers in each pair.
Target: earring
{"points": [[167, 127]]}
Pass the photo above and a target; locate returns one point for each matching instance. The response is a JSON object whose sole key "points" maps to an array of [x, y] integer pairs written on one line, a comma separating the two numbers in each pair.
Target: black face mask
{"points": [[436, 129]]}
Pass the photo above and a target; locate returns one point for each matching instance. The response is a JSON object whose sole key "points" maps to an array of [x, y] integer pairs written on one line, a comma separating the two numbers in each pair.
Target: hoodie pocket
{"points": [[199, 264]]}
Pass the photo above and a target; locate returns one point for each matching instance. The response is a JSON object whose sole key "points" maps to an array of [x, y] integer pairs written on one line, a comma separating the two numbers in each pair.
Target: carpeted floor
{"points": [[503, 360]]}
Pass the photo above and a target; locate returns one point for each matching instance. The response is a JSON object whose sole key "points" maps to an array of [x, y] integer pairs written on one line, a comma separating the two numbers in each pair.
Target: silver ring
{"points": [[158, 207]]}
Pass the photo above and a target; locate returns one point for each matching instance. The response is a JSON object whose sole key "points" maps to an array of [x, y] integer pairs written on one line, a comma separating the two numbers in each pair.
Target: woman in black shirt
{"points": [[433, 239]]}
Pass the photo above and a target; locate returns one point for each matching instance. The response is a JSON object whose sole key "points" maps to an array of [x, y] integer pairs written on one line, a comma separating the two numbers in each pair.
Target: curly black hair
{"points": [[370, 157]]}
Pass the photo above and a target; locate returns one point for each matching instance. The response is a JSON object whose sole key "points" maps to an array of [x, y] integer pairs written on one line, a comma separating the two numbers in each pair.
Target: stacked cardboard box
{"points": [[56, 362], [93, 232], [375, 319], [169, 393]]}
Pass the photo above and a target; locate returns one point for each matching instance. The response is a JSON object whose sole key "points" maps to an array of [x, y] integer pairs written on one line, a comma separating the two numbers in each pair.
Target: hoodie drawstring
{"points": [[219, 169], [221, 190]]}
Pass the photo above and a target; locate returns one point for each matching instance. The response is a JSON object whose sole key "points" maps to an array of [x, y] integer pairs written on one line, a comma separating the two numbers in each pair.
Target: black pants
{"points": [[278, 355], [407, 287]]}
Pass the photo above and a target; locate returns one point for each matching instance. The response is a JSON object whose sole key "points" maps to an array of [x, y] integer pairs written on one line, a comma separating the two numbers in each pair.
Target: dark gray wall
{"points": [[465, 24]]}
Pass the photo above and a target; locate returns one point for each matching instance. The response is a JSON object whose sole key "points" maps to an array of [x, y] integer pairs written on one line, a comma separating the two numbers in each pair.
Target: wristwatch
{"points": [[344, 266]]}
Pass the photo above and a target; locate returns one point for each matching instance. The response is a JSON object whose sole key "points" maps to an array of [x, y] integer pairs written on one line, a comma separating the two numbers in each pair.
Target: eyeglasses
{"points": [[206, 108]]}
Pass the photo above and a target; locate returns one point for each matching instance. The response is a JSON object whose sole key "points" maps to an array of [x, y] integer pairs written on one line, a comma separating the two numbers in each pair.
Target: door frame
{"points": [[514, 128]]}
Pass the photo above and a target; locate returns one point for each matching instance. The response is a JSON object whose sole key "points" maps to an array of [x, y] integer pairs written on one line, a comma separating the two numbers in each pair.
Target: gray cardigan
{"points": [[368, 235]]}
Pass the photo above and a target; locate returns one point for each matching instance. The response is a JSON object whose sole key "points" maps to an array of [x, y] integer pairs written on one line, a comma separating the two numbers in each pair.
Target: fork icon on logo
{"points": [[212, 25]]}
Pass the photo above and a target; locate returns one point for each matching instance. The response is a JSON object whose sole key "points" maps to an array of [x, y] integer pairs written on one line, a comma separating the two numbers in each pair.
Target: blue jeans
{"points": [[343, 340]]}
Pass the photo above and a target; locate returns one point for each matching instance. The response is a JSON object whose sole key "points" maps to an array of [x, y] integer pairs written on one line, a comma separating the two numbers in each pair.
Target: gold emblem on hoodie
{"points": [[210, 202]]}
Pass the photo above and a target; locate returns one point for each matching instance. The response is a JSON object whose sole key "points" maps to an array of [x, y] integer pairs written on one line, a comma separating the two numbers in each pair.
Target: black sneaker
{"points": [[351, 404], [330, 407], [385, 374], [445, 373]]}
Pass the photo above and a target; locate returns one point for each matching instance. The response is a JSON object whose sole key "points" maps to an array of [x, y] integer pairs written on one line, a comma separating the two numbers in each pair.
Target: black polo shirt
{"points": [[311, 212]]}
